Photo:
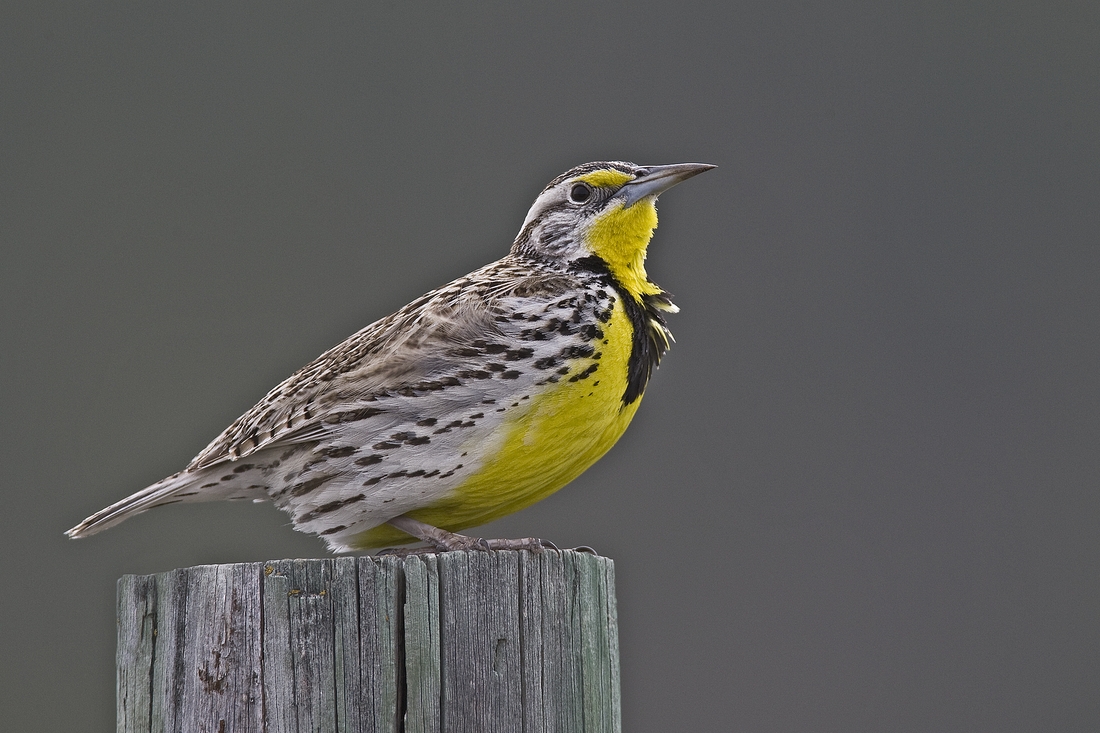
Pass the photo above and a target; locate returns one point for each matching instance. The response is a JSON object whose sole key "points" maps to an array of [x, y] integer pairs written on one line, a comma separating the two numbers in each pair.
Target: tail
{"points": [[179, 487]]}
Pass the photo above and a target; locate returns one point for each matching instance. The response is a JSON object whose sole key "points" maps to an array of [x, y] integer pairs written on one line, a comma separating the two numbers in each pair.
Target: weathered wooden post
{"points": [[461, 641]]}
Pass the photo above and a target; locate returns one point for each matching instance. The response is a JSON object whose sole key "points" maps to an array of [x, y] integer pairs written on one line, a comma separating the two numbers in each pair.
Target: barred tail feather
{"points": [[171, 490]]}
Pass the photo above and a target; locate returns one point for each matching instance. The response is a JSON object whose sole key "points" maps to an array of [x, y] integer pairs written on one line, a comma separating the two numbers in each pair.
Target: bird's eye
{"points": [[580, 193]]}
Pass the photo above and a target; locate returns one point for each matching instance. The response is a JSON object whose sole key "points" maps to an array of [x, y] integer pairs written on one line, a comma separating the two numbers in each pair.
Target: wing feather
{"points": [[412, 348]]}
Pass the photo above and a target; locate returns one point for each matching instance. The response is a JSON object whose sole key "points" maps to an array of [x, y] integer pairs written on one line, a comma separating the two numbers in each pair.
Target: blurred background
{"points": [[861, 494]]}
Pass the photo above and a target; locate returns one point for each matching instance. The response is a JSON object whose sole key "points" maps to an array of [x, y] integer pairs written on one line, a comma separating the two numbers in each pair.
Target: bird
{"points": [[473, 401]]}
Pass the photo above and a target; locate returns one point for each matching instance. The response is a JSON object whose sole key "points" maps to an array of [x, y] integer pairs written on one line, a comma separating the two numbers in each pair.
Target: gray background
{"points": [[862, 492]]}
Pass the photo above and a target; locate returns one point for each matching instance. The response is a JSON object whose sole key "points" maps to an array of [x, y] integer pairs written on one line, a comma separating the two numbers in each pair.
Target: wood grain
{"points": [[462, 641]]}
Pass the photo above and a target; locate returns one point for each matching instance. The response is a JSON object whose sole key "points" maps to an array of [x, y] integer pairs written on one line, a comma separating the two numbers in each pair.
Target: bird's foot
{"points": [[440, 540], [527, 543]]}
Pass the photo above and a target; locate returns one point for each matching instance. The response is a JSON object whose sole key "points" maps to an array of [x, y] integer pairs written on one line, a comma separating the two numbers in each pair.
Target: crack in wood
{"points": [[462, 641]]}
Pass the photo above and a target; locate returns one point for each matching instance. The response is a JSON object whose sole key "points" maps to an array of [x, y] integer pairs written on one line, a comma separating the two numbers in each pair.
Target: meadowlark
{"points": [[473, 401]]}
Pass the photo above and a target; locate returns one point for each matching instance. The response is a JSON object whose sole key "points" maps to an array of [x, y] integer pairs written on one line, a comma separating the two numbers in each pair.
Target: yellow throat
{"points": [[620, 236]]}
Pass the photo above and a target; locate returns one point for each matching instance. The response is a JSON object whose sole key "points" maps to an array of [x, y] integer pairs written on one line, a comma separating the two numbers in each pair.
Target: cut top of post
{"points": [[460, 641]]}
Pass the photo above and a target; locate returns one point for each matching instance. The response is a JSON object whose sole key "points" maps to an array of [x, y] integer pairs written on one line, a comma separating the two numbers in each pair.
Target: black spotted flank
{"points": [[451, 472], [426, 386], [342, 451], [368, 460], [454, 424], [518, 354], [591, 332], [566, 328], [510, 374], [410, 438], [427, 422], [580, 351], [330, 507], [586, 373], [244, 467], [386, 445], [305, 487]]}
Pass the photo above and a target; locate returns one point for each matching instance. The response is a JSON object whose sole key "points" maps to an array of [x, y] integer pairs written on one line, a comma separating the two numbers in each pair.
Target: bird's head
{"points": [[606, 210]]}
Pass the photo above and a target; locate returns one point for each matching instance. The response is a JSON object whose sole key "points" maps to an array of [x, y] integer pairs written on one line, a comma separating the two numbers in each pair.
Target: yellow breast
{"points": [[564, 430]]}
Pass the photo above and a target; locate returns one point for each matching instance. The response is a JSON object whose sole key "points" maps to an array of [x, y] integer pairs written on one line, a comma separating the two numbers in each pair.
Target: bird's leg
{"points": [[440, 539], [443, 541]]}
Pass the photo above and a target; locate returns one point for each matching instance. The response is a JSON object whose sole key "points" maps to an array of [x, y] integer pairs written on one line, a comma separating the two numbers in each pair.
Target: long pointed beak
{"points": [[656, 179]]}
